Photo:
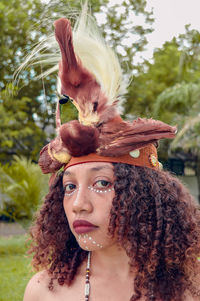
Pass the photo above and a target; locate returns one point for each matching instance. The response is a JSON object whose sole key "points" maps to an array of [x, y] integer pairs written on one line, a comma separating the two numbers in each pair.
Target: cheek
{"points": [[95, 240], [67, 209]]}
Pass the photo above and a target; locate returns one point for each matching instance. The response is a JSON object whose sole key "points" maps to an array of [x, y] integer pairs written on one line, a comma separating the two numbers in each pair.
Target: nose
{"points": [[82, 201]]}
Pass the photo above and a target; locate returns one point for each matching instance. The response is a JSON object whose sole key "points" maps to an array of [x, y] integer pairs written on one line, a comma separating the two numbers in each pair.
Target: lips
{"points": [[82, 226]]}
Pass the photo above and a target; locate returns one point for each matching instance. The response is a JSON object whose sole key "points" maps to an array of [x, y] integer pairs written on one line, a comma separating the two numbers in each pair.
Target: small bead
{"points": [[87, 289]]}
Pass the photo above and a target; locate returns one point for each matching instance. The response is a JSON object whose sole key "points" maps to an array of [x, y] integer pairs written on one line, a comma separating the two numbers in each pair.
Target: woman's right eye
{"points": [[70, 188]]}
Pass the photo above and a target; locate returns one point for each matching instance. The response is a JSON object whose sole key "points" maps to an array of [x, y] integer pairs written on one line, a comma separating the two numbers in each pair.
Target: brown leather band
{"points": [[146, 156]]}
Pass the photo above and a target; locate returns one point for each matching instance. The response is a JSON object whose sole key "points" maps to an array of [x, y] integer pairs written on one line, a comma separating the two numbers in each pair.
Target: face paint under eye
{"points": [[101, 186], [100, 190]]}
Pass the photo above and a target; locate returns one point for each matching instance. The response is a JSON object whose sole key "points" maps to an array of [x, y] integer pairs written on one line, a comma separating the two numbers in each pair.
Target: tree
{"points": [[175, 62], [152, 78], [181, 105], [20, 30], [19, 133], [187, 144], [21, 112]]}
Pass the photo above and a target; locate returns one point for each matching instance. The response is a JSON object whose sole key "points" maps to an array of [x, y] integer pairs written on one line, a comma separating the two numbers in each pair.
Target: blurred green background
{"points": [[15, 268]]}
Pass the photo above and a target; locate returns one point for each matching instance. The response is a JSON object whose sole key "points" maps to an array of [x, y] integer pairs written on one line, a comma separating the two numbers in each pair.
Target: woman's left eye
{"points": [[102, 184]]}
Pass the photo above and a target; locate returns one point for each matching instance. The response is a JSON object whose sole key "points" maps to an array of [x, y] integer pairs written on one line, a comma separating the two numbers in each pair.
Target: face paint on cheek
{"points": [[87, 242]]}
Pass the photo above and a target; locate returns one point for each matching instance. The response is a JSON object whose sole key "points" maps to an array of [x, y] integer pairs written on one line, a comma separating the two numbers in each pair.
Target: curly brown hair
{"points": [[156, 221]]}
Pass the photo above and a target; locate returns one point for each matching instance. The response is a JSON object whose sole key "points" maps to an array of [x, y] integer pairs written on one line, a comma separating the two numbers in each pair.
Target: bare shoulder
{"points": [[37, 287]]}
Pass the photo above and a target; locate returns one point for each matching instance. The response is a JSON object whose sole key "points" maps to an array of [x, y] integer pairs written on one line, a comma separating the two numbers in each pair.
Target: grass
{"points": [[15, 270]]}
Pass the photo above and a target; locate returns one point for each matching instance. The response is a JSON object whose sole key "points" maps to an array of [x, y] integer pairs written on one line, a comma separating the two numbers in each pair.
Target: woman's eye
{"points": [[102, 184], [69, 188]]}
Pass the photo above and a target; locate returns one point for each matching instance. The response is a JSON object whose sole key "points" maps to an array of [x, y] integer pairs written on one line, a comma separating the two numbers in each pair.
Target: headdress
{"points": [[90, 77]]}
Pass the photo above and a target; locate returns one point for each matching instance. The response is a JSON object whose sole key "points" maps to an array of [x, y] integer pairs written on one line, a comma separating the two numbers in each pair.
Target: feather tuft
{"points": [[47, 163], [79, 139]]}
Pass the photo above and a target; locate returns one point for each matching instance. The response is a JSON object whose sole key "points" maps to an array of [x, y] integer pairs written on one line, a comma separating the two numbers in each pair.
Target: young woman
{"points": [[114, 226]]}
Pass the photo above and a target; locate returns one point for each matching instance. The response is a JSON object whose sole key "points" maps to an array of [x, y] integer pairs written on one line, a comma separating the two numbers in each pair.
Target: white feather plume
{"points": [[93, 52]]}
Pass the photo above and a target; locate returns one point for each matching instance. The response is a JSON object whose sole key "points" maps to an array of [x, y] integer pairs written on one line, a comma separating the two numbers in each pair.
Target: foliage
{"points": [[180, 105], [19, 31], [188, 138], [122, 25], [189, 44], [187, 142], [152, 79], [15, 268], [19, 133], [177, 101], [176, 62], [22, 187]]}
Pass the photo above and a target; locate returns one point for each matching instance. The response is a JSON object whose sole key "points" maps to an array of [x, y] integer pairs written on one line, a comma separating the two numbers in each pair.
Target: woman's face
{"points": [[89, 191]]}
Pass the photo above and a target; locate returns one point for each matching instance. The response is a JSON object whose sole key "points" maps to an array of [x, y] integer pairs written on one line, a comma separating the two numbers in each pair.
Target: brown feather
{"points": [[76, 80], [46, 163], [79, 139], [120, 138]]}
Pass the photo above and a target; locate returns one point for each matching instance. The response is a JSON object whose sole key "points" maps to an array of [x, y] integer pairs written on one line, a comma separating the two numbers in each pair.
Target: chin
{"points": [[88, 243]]}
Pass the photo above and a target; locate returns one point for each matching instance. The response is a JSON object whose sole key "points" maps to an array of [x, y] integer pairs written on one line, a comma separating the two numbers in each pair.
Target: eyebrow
{"points": [[97, 168]]}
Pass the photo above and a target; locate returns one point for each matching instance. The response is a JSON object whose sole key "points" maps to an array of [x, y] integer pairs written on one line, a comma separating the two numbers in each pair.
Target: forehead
{"points": [[90, 167]]}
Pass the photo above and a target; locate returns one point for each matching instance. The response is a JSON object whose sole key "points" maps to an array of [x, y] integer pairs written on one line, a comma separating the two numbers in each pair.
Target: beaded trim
{"points": [[87, 278], [100, 191], [92, 189]]}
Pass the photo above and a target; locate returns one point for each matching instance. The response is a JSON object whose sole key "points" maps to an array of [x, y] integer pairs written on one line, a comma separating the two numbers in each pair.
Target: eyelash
{"points": [[108, 188]]}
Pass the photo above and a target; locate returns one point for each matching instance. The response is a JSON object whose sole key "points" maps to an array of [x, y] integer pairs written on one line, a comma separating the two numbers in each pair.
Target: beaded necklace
{"points": [[87, 278]]}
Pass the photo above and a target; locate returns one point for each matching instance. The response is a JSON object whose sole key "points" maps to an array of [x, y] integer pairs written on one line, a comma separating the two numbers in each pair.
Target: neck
{"points": [[112, 261]]}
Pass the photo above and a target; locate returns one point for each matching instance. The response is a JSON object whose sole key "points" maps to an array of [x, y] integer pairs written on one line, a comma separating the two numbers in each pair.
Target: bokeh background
{"points": [[158, 44]]}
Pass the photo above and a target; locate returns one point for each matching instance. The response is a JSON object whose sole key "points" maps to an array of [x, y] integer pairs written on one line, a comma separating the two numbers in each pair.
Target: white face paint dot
{"points": [[85, 238], [100, 191]]}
